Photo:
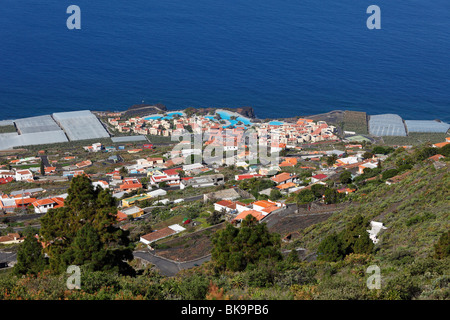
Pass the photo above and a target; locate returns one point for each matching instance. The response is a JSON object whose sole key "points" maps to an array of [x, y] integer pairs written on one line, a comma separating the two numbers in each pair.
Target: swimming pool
{"points": [[276, 123], [227, 116], [167, 117]]}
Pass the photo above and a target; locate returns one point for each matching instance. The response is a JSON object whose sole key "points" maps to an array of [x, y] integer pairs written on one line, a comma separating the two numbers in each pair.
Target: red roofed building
{"points": [[318, 177], [230, 206], [441, 144], [50, 170], [43, 205], [258, 215], [284, 177], [83, 164], [172, 172], [24, 175], [436, 157], [161, 234], [247, 176], [289, 162], [25, 202], [11, 238], [6, 180], [171, 177], [130, 184]]}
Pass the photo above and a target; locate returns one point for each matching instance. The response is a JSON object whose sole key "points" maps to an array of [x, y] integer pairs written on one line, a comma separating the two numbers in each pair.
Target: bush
{"points": [[442, 247], [193, 287], [389, 174]]}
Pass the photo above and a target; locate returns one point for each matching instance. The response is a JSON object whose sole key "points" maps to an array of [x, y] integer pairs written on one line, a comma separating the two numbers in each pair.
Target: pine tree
{"points": [[42, 169], [235, 248], [30, 259], [331, 249], [84, 205]]}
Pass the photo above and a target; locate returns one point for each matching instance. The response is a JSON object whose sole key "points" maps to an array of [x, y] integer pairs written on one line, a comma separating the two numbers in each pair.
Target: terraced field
{"points": [[355, 121]]}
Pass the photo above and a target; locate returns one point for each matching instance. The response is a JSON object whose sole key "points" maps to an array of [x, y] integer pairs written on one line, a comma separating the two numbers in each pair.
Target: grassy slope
{"points": [[415, 211]]}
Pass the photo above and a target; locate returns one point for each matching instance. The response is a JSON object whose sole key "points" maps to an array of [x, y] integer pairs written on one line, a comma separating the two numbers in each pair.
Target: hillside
{"points": [[416, 211]]}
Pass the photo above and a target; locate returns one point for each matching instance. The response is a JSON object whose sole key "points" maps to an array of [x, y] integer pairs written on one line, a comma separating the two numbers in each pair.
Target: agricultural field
{"points": [[355, 121], [7, 129], [415, 139]]}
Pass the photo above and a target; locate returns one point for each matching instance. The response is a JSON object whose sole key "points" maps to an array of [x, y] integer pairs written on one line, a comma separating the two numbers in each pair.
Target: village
{"points": [[164, 192]]}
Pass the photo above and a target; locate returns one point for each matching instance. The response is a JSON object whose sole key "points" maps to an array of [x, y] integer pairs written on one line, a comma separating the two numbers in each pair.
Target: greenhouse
{"points": [[80, 125], [386, 125], [11, 140], [426, 126], [36, 124]]}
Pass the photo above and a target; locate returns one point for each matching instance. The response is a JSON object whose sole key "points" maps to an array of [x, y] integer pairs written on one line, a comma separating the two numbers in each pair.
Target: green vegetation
{"points": [[353, 239], [7, 129], [236, 248], [355, 121], [83, 233], [415, 139], [30, 258], [255, 185]]}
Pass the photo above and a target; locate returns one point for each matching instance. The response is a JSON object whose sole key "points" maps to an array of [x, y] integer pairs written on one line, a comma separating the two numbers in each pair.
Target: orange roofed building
{"points": [[130, 184], [283, 177], [258, 215], [289, 162], [441, 144], [43, 205]]}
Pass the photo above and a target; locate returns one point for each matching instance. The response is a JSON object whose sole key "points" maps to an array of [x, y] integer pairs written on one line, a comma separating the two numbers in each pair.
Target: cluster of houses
{"points": [[16, 175], [304, 130], [23, 199]]}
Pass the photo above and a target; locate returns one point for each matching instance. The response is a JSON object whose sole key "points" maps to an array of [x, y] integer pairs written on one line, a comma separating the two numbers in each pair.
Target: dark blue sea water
{"points": [[282, 57]]}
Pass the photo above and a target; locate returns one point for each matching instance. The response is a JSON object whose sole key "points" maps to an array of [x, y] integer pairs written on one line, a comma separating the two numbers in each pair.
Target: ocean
{"points": [[282, 57]]}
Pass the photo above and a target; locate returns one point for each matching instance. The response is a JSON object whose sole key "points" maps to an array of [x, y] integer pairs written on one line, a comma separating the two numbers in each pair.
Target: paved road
{"points": [[45, 161], [7, 256], [168, 267], [194, 198], [15, 218]]}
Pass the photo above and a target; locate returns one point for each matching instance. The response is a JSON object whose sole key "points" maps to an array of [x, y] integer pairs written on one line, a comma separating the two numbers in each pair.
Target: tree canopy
{"points": [[235, 248], [353, 239], [30, 258], [83, 230]]}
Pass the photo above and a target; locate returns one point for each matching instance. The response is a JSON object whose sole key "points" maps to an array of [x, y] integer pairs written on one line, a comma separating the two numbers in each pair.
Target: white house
{"points": [[101, 183], [43, 205], [157, 193], [171, 179], [24, 175], [230, 206], [370, 165], [7, 174], [161, 234]]}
